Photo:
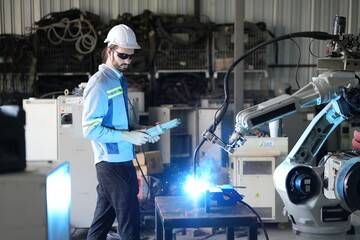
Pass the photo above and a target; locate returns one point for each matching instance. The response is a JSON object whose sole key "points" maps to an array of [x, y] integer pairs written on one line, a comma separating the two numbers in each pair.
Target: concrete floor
{"points": [[275, 232]]}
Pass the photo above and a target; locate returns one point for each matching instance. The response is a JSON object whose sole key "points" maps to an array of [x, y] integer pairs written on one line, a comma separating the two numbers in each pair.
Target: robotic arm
{"points": [[299, 180], [322, 89]]}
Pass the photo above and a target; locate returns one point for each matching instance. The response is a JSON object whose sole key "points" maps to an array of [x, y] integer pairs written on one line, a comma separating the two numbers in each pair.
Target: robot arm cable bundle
{"points": [[209, 133], [237, 137]]}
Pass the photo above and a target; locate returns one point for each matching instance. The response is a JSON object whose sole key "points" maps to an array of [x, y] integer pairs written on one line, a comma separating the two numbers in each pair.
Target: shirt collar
{"points": [[117, 73]]}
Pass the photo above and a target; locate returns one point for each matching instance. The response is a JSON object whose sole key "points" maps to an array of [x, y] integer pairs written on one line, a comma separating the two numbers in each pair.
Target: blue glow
{"points": [[204, 180], [58, 194], [195, 187]]}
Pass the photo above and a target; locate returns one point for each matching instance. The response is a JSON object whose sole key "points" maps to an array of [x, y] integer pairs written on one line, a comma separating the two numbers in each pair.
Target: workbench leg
{"points": [[253, 233], [168, 235], [230, 233], [158, 226]]}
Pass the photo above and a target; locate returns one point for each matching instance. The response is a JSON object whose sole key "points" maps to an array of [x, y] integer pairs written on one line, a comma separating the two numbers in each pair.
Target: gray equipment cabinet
{"points": [[177, 144]]}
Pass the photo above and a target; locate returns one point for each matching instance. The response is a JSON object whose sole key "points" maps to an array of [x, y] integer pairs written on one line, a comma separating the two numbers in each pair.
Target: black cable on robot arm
{"points": [[357, 77], [312, 34]]}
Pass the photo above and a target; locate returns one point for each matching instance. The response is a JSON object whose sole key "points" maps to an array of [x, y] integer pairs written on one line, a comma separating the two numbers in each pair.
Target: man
{"points": [[106, 123]]}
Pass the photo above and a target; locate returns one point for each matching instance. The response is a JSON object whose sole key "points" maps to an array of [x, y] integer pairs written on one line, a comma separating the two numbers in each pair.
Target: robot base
{"points": [[310, 236]]}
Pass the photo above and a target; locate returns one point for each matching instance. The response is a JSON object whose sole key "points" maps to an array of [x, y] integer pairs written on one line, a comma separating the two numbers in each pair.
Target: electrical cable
{"points": [[142, 150], [263, 27], [298, 63], [194, 27], [195, 162], [142, 173], [51, 94], [84, 35], [258, 216], [311, 52], [223, 108], [312, 34]]}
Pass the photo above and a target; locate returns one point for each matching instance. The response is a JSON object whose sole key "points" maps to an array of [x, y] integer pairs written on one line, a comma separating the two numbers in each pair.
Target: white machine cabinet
{"points": [[40, 129], [252, 167], [75, 149]]}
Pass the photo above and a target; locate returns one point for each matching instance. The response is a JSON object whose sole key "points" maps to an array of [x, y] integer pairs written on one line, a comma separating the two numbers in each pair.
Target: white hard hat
{"points": [[123, 36]]}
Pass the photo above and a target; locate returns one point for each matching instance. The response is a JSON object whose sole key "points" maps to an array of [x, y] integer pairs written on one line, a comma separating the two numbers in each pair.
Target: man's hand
{"points": [[153, 139], [138, 137]]}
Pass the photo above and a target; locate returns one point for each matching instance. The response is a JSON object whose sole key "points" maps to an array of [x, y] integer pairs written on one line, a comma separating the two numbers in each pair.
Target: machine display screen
{"points": [[257, 167]]}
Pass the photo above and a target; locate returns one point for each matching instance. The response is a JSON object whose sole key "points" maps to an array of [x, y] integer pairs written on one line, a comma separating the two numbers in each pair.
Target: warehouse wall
{"points": [[281, 17]]}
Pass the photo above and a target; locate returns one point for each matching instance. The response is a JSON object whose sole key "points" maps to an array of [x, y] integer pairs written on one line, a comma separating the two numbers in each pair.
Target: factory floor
{"points": [[274, 231]]}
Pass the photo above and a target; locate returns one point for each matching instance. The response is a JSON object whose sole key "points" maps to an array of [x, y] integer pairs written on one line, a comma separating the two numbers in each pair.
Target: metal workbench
{"points": [[183, 212]]}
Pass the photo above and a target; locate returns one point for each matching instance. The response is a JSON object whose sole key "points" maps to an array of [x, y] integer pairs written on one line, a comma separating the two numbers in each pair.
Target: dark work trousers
{"points": [[117, 198]]}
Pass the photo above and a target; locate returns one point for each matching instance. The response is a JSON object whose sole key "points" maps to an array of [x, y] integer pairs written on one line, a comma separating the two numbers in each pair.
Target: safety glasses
{"points": [[124, 56]]}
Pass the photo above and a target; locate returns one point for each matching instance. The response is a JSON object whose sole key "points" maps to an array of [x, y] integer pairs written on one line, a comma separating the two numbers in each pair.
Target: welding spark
{"points": [[196, 186]]}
